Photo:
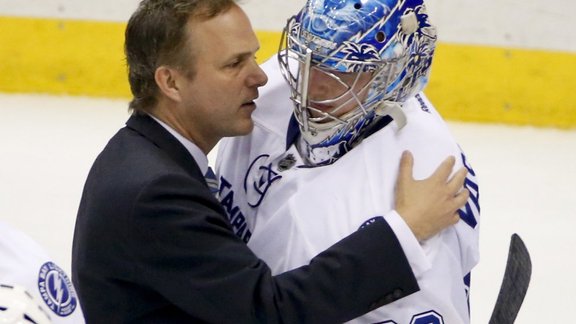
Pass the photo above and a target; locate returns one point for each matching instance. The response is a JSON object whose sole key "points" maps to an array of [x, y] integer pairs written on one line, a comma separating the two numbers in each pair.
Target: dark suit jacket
{"points": [[152, 245]]}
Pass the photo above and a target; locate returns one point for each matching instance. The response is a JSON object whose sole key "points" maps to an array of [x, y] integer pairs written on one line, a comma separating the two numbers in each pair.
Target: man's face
{"points": [[219, 100], [330, 90]]}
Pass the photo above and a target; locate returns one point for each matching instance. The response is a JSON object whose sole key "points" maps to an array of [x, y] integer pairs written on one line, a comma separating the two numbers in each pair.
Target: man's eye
{"points": [[234, 64]]}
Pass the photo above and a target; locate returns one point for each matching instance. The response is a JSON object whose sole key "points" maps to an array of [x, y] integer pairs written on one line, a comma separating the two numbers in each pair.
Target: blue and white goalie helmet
{"points": [[373, 55]]}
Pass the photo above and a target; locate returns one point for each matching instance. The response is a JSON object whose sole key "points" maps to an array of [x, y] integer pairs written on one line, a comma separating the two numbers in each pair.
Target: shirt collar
{"points": [[199, 156]]}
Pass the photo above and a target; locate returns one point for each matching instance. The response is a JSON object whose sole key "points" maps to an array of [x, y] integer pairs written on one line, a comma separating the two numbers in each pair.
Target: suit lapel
{"points": [[149, 128]]}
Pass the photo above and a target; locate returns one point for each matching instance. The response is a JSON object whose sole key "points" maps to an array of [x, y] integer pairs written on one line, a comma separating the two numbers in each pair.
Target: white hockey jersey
{"points": [[288, 213], [25, 263]]}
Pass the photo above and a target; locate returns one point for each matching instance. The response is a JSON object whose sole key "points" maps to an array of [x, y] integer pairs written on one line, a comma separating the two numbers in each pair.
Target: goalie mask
{"points": [[348, 64]]}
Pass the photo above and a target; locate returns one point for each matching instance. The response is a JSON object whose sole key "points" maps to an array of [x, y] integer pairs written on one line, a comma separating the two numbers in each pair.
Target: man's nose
{"points": [[257, 78]]}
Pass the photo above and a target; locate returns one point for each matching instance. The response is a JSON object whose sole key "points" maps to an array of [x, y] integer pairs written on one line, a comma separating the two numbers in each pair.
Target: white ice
{"points": [[527, 178]]}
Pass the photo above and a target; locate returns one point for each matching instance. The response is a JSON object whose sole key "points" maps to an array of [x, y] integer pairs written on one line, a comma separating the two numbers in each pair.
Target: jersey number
{"points": [[429, 317]]}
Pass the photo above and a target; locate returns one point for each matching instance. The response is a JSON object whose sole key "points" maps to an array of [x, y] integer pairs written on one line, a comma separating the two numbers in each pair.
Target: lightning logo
{"points": [[56, 290]]}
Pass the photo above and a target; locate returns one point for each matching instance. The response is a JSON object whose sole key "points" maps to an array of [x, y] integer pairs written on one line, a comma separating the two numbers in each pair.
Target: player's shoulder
{"points": [[25, 263], [423, 117], [422, 105], [426, 134]]}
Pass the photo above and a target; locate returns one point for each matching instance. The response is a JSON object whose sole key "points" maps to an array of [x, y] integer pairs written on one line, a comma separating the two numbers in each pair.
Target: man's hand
{"points": [[430, 205]]}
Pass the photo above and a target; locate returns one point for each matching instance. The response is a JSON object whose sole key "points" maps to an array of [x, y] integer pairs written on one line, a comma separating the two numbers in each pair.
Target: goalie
{"points": [[323, 164]]}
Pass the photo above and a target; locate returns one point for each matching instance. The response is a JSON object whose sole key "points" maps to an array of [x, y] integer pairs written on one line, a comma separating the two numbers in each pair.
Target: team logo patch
{"points": [[259, 177], [56, 290]]}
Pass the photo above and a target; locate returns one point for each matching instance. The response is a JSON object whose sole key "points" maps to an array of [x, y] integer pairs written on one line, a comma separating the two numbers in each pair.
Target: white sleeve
{"points": [[412, 249]]}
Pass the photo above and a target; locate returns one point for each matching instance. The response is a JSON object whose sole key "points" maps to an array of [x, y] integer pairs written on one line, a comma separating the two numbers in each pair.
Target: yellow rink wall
{"points": [[468, 83]]}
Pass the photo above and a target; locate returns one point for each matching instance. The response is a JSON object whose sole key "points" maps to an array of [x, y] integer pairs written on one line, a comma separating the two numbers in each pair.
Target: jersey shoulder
{"points": [[424, 119], [25, 263]]}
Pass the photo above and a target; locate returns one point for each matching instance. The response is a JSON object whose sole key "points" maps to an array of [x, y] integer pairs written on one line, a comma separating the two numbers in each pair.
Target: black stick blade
{"points": [[514, 284]]}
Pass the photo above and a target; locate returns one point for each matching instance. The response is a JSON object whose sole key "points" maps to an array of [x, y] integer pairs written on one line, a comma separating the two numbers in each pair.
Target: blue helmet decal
{"points": [[343, 32]]}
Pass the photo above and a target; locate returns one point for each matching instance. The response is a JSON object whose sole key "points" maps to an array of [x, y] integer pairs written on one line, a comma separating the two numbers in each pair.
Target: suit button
{"points": [[398, 293]]}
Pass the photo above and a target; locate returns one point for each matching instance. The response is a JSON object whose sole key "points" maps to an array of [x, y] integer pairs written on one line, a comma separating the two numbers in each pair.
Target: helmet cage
{"points": [[296, 66]]}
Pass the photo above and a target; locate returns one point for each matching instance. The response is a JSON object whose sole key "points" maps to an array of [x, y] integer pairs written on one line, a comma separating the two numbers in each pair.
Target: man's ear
{"points": [[165, 78]]}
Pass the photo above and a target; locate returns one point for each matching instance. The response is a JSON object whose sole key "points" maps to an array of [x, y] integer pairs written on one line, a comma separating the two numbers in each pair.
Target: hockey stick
{"points": [[514, 284]]}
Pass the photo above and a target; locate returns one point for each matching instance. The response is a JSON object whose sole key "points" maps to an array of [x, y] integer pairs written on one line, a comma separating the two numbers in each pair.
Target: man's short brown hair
{"points": [[156, 35]]}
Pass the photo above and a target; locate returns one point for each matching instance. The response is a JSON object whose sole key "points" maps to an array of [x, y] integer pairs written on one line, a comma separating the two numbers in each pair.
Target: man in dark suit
{"points": [[153, 245]]}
